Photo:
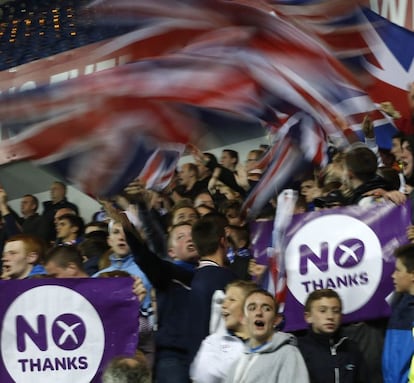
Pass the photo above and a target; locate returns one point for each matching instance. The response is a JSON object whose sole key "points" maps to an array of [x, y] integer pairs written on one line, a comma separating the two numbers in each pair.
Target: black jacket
{"points": [[172, 282], [48, 230], [377, 182], [333, 359]]}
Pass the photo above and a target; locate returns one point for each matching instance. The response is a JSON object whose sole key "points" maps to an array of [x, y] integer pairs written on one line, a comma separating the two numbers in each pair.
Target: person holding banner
{"points": [[22, 257], [65, 262], [328, 355], [122, 259], [361, 167], [127, 370], [399, 341], [361, 176]]}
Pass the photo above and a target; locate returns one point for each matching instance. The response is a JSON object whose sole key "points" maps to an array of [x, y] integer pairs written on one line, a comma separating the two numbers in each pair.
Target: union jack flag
{"points": [[300, 141], [372, 47], [243, 58], [160, 167]]}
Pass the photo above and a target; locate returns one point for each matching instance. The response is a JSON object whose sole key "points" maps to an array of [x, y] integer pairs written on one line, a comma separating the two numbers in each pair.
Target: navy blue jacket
{"points": [[333, 359], [172, 283], [206, 281]]}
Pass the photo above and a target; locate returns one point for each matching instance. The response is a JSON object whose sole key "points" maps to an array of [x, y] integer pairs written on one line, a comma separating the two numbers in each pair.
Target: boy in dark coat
{"points": [[329, 356]]}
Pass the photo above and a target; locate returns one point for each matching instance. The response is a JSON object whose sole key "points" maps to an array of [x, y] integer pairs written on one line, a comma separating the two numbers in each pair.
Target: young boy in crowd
{"points": [[329, 356], [399, 341], [270, 356], [220, 349]]}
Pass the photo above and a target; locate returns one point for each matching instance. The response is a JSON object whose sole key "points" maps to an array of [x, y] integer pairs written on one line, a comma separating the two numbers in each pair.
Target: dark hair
{"points": [[239, 233], [210, 210], [331, 199], [207, 232], [362, 162], [319, 294], [391, 176], [226, 205], [102, 226], [192, 168], [264, 147], [74, 220], [203, 191], [34, 200], [301, 203], [405, 254], [60, 183], [410, 140], [233, 154], [93, 246], [114, 274], [400, 135], [212, 159], [63, 255]]}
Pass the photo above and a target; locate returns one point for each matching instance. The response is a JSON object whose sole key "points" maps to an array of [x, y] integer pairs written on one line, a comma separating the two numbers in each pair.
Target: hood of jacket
{"points": [[279, 339]]}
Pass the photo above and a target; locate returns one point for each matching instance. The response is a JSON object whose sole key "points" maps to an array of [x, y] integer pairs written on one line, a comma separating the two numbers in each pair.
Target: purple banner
{"points": [[65, 330], [349, 250], [261, 239]]}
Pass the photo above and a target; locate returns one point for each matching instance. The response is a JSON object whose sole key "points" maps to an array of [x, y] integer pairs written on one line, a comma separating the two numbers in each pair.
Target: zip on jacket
{"points": [[334, 353]]}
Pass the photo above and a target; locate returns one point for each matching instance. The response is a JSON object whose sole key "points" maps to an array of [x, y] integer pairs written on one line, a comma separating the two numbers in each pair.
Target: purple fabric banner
{"points": [[261, 232], [65, 330], [349, 250], [261, 239]]}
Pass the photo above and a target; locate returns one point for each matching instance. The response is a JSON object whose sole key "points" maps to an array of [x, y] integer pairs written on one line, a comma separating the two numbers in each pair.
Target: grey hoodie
{"points": [[278, 361]]}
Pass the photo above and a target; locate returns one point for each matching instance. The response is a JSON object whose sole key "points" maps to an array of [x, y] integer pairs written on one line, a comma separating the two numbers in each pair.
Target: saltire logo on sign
{"points": [[349, 250], [65, 330]]}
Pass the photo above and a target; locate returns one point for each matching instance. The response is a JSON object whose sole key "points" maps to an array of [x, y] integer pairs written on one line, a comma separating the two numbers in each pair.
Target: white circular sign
{"points": [[60, 338], [337, 252]]}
